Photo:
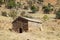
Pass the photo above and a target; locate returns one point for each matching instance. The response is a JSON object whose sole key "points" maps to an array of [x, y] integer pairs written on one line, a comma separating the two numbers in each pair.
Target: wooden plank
{"points": [[32, 20]]}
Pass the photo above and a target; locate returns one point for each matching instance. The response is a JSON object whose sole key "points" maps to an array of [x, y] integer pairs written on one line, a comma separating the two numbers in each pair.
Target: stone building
{"points": [[22, 24]]}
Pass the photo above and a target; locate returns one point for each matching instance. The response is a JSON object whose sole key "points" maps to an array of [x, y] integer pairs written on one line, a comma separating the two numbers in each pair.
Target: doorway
{"points": [[20, 30]]}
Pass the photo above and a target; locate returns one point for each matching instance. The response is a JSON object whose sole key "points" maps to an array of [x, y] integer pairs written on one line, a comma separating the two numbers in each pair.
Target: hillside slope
{"points": [[51, 31]]}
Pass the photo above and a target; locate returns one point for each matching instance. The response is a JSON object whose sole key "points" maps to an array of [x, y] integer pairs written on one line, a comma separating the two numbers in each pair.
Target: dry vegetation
{"points": [[51, 26], [51, 31]]}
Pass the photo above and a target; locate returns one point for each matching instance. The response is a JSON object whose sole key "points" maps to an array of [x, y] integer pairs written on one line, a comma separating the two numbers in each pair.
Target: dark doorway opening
{"points": [[20, 30]]}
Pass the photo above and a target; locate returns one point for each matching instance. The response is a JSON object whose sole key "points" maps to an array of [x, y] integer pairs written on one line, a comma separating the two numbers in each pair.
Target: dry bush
{"points": [[45, 17], [58, 14], [4, 14]]}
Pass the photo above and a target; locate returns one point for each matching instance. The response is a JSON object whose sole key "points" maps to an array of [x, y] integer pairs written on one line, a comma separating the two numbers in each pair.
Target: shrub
{"points": [[11, 4], [48, 8], [34, 9], [58, 14], [4, 14], [13, 14], [45, 17], [1, 2]]}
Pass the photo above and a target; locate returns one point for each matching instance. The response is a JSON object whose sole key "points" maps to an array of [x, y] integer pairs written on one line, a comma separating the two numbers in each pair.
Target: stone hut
{"points": [[22, 24]]}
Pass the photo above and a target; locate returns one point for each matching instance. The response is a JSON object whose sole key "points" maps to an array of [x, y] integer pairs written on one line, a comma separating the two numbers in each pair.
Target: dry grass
{"points": [[51, 28], [51, 31], [5, 22], [40, 16]]}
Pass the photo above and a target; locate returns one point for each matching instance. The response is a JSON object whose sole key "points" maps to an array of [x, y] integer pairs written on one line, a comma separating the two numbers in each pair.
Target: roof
{"points": [[32, 20], [28, 19]]}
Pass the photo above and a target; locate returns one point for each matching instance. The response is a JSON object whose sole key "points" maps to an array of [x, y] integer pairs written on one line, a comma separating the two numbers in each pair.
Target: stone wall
{"points": [[20, 24]]}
